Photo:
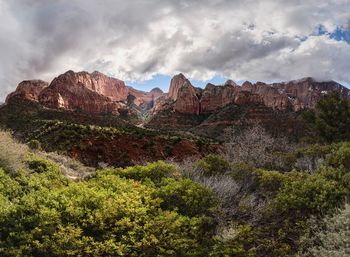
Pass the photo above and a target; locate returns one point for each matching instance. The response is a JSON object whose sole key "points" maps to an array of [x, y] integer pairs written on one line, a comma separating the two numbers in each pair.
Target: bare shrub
{"points": [[255, 147], [71, 168], [239, 199], [308, 163]]}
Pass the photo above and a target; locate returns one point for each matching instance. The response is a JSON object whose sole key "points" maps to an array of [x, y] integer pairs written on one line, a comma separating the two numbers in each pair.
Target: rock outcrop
{"points": [[176, 83], [215, 97], [295, 94], [187, 100], [271, 95], [210, 110], [82, 91], [28, 90], [98, 93]]}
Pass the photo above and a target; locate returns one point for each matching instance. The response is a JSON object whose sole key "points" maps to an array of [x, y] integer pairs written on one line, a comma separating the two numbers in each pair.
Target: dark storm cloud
{"points": [[136, 39]]}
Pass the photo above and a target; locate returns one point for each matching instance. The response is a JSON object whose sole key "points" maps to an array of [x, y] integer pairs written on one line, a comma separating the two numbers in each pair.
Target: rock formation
{"points": [[29, 90], [146, 99], [187, 100], [82, 91], [98, 93], [176, 83], [295, 94], [215, 97]]}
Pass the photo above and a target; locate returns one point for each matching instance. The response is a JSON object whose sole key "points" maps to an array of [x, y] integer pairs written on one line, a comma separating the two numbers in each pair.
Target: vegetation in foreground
{"points": [[210, 207], [265, 197]]}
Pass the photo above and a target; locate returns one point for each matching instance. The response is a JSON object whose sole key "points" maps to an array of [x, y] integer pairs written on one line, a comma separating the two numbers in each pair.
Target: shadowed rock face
{"points": [[209, 111], [293, 95], [215, 97], [146, 100], [184, 98]]}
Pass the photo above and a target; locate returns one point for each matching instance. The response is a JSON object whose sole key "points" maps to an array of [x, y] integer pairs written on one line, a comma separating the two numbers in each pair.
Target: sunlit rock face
{"points": [[295, 94], [84, 92], [187, 100], [176, 83], [29, 90], [98, 93]]}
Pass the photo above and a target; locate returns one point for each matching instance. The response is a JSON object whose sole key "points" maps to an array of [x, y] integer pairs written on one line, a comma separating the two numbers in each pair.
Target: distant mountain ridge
{"points": [[184, 106]]}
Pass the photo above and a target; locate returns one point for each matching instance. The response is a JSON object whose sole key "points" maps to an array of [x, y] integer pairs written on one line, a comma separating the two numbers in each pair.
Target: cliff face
{"points": [[215, 97], [209, 111], [79, 91], [91, 93], [176, 83], [295, 94], [183, 106], [187, 100], [146, 100], [29, 89]]}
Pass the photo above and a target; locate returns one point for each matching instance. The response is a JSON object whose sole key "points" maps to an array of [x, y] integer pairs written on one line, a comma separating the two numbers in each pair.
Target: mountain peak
{"points": [[176, 83]]}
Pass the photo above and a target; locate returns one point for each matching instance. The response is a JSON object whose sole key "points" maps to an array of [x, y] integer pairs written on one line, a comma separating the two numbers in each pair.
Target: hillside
{"points": [[54, 206]]}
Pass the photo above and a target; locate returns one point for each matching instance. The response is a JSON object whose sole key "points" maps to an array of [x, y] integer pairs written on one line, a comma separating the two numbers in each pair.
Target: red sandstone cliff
{"points": [[293, 95], [187, 100], [81, 91], [91, 93], [176, 83], [98, 93], [29, 89]]}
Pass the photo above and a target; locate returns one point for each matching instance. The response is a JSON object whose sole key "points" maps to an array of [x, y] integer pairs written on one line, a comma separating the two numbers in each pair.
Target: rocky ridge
{"points": [[83, 91], [293, 95], [98, 93]]}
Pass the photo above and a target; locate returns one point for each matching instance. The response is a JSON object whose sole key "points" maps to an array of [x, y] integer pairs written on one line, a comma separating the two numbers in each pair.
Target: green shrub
{"points": [[339, 156], [9, 187], [235, 242], [271, 181], [104, 216], [34, 144], [214, 164], [186, 196], [154, 171], [331, 120], [240, 171], [308, 194]]}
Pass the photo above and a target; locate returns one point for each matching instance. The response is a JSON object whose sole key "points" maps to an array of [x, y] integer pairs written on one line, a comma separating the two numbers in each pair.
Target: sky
{"points": [[146, 42]]}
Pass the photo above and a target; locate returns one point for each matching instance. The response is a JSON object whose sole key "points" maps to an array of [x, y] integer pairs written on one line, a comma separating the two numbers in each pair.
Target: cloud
{"points": [[136, 39]]}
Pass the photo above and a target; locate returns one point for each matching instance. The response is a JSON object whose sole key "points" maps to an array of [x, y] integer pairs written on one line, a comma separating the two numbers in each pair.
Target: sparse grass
{"points": [[12, 153], [69, 167], [14, 156]]}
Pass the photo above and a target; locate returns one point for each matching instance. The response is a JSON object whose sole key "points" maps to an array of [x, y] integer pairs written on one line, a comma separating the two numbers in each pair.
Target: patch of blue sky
{"points": [[163, 82], [339, 34]]}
